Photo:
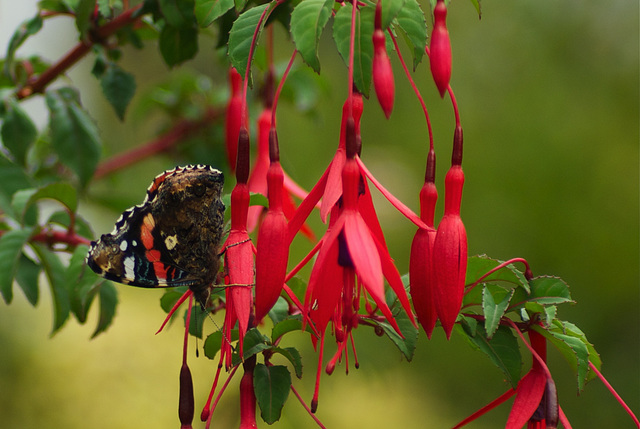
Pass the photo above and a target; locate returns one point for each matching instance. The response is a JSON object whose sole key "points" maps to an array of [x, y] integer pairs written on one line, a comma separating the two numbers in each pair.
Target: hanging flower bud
{"points": [[273, 243], [233, 117], [450, 247], [186, 403], [440, 47], [421, 277], [382, 71]]}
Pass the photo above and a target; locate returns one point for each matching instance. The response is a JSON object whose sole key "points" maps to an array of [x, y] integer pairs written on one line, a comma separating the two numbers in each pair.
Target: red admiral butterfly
{"points": [[172, 238]]}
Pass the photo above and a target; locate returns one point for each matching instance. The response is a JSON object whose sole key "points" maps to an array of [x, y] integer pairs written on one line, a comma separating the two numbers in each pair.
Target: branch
{"points": [[38, 84], [163, 143]]}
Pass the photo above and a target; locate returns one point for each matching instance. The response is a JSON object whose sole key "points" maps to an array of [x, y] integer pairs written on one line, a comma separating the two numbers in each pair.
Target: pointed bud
{"points": [[450, 253], [273, 246], [421, 274], [382, 71], [233, 117], [440, 48], [186, 402]]}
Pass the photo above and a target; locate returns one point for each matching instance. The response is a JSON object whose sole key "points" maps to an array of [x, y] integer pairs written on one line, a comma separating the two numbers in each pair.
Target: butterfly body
{"points": [[172, 238]]}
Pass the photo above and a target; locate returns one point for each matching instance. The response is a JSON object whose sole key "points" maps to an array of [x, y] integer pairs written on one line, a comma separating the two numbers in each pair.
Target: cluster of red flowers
{"points": [[352, 260]]}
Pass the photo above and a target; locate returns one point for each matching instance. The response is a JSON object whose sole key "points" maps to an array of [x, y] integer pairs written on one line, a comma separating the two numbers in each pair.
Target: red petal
{"points": [[421, 279], [528, 395], [450, 267], [271, 261], [233, 118]]}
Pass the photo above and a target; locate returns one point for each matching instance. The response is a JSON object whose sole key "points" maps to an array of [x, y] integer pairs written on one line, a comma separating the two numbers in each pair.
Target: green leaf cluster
{"points": [[506, 294]]}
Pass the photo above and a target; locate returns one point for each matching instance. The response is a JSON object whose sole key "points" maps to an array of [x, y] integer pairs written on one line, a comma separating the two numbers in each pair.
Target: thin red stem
{"points": [[415, 88], [614, 393], [535, 354], [499, 267], [490, 406], [306, 407]]}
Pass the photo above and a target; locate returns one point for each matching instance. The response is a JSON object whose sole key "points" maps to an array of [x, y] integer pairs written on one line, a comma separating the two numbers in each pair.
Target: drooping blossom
{"points": [[383, 81], [450, 247], [238, 251], [440, 47], [351, 264], [233, 118], [273, 239], [421, 275]]}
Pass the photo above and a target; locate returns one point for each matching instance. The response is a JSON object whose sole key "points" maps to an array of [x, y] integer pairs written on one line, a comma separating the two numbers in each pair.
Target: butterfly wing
{"points": [[131, 255]]}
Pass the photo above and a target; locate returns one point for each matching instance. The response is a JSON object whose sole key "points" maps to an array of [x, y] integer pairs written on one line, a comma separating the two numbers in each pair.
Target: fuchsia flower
{"points": [[421, 275], [273, 239], [382, 72], [233, 118], [450, 247], [440, 47], [239, 251], [353, 259]]}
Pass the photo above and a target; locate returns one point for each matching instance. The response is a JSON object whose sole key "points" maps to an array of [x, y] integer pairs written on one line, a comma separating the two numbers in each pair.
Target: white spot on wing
{"points": [[123, 245], [129, 265]]}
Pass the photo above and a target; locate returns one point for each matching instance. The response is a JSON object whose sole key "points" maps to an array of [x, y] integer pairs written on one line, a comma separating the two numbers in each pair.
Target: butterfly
{"points": [[172, 238]]}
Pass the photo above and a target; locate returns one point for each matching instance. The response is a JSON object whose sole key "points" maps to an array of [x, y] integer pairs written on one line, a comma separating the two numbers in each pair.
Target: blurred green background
{"points": [[548, 94]]}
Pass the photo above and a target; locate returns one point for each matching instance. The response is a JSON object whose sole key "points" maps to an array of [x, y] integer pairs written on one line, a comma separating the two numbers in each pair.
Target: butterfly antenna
{"points": [[203, 306]]}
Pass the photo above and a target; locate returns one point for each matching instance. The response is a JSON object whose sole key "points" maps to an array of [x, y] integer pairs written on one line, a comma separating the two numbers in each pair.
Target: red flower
{"points": [[382, 71], [233, 118], [421, 276], [440, 47], [273, 243], [450, 247]]}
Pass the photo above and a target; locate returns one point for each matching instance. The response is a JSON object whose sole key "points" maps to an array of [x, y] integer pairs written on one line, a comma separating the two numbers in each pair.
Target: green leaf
{"points": [[84, 12], [390, 9], [26, 29], [27, 278], [241, 35], [11, 244], [271, 385], [108, 303], [83, 284], [82, 228], [293, 355], [55, 273], [574, 347], [290, 324], [363, 44], [170, 297], [178, 13], [74, 135], [406, 345], [478, 6], [413, 24], [549, 290], [307, 23], [494, 304], [254, 343], [279, 311], [214, 341], [118, 87], [502, 349], [18, 131], [196, 323], [478, 266], [12, 179], [178, 45], [208, 11], [61, 192]]}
